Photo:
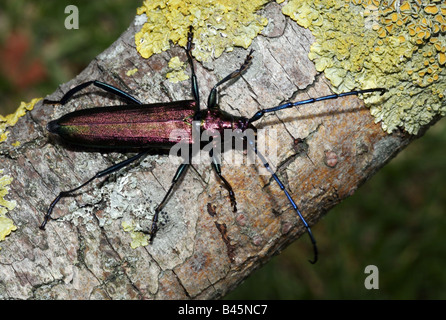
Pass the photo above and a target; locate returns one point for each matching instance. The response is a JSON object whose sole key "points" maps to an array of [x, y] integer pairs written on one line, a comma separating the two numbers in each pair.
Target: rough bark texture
{"points": [[203, 250]]}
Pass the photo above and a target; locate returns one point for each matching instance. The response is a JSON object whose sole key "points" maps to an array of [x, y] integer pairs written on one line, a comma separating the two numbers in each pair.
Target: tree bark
{"points": [[325, 151]]}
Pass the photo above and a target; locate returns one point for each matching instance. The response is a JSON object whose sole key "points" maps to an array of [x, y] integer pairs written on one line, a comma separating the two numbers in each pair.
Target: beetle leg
{"points": [[105, 86], [102, 173], [154, 228], [194, 82], [212, 99], [217, 169]]}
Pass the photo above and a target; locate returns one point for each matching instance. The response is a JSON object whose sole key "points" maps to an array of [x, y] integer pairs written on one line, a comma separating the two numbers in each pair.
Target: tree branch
{"points": [[325, 151]]}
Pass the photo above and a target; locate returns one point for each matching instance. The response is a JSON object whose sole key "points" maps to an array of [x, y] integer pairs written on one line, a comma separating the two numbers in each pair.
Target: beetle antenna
{"points": [[287, 105], [251, 144]]}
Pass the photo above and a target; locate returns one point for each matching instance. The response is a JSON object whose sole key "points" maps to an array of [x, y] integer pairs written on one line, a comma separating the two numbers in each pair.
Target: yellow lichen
{"points": [[390, 44], [441, 58], [131, 72], [178, 70], [218, 25], [6, 224], [139, 239], [11, 119]]}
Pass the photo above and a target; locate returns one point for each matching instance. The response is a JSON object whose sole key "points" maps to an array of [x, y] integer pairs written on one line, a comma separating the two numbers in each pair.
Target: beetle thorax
{"points": [[216, 121]]}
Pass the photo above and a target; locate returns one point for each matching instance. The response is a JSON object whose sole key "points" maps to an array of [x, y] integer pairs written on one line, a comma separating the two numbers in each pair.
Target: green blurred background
{"points": [[395, 221]]}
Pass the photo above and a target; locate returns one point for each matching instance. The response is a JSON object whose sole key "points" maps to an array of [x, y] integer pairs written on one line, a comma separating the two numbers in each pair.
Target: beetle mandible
{"points": [[145, 126]]}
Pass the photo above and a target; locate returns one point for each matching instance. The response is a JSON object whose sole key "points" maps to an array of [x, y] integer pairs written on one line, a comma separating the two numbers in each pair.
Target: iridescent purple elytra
{"points": [[141, 126]]}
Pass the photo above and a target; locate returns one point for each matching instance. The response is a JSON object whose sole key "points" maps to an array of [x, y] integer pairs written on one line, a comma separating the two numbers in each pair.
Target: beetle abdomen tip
{"points": [[53, 126]]}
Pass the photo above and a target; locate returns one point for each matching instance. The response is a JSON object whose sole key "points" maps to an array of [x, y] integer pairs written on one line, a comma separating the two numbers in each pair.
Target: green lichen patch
{"points": [[218, 25], [398, 45]]}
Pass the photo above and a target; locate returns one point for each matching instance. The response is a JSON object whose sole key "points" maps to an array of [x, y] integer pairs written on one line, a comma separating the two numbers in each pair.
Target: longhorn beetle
{"points": [[143, 126]]}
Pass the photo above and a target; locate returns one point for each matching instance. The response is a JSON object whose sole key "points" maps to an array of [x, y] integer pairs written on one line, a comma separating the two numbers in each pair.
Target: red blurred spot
{"points": [[17, 63]]}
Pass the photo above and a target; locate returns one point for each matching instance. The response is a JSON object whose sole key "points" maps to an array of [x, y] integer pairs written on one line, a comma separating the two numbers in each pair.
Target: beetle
{"points": [[148, 126]]}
